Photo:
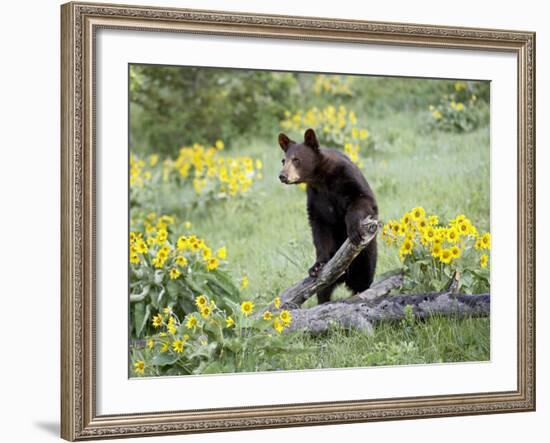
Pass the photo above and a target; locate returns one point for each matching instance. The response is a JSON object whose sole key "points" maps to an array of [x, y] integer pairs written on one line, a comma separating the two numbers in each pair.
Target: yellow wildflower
{"points": [[181, 261], [285, 317], [433, 220], [267, 315], [406, 247], [455, 251], [452, 235], [174, 273], [436, 251], [483, 260], [178, 346], [201, 301], [212, 264], [278, 325], [139, 367], [182, 243], [446, 256], [486, 241], [222, 253], [429, 234], [206, 311], [157, 320], [277, 302], [134, 258], [247, 307], [162, 235], [191, 322], [206, 253], [229, 322], [418, 213]]}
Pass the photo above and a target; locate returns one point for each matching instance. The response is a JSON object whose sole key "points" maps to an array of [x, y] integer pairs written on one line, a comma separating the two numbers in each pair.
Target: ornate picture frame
{"points": [[80, 22]]}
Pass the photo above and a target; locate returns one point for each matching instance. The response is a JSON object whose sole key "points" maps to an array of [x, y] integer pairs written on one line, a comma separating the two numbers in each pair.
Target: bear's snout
{"points": [[283, 178]]}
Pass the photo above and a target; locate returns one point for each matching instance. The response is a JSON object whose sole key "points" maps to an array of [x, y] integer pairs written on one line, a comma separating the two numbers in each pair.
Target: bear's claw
{"points": [[315, 269], [355, 236]]}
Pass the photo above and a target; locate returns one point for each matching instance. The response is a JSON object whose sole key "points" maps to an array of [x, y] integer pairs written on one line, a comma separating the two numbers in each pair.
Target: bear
{"points": [[338, 199]]}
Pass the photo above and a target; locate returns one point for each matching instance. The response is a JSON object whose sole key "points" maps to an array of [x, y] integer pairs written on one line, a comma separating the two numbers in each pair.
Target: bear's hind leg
{"points": [[324, 295], [360, 273]]}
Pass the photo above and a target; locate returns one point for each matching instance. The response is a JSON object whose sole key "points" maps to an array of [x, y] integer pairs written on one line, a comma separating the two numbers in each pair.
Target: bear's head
{"points": [[301, 159]]}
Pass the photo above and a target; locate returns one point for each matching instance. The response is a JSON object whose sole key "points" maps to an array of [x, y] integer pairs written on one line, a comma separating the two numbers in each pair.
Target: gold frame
{"points": [[79, 22]]}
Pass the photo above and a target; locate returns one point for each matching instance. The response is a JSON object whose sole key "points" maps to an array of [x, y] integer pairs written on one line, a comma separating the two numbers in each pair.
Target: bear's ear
{"points": [[285, 142], [310, 139]]}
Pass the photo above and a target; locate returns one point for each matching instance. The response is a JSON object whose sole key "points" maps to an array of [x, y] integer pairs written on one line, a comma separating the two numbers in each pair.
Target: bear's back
{"points": [[344, 176]]}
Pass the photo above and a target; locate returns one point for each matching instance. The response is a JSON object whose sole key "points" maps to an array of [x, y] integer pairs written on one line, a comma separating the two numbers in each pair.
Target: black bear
{"points": [[338, 199]]}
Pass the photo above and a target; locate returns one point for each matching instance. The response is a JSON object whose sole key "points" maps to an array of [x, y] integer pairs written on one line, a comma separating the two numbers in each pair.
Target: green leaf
{"points": [[139, 316], [146, 316], [234, 345], [205, 351], [164, 359], [161, 294], [213, 368], [154, 297]]}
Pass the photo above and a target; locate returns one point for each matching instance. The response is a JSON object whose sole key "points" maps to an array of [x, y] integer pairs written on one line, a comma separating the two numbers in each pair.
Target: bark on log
{"points": [[297, 294], [378, 289], [363, 314]]}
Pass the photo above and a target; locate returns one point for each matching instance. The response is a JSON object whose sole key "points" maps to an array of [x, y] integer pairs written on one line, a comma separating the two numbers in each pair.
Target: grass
{"points": [[268, 237]]}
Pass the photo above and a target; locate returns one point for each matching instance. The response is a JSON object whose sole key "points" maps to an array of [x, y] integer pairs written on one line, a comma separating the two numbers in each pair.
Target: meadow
{"points": [[267, 239]]}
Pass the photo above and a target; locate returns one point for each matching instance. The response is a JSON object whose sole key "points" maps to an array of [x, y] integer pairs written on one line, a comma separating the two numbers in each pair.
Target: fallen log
{"points": [[363, 315], [378, 289]]}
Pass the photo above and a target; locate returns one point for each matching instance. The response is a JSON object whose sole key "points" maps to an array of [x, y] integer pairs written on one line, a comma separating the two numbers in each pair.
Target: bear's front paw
{"points": [[355, 235], [315, 269]]}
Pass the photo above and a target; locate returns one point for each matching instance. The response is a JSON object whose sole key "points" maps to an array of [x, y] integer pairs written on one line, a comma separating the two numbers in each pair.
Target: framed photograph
{"points": [[277, 221]]}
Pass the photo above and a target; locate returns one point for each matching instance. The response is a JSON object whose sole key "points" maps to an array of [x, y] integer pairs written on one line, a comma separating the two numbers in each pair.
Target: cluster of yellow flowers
{"points": [[208, 170], [339, 126], [203, 166], [171, 337], [454, 103], [332, 84], [279, 322], [455, 106], [138, 172], [154, 246], [445, 243], [175, 336]]}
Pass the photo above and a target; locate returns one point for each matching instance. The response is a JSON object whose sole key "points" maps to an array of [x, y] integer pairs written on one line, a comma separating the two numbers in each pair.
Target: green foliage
{"points": [[171, 106], [169, 271], [462, 110], [214, 340]]}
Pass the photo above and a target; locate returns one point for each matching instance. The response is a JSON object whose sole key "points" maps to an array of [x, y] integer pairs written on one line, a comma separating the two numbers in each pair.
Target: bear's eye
{"points": [[283, 161], [295, 161]]}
